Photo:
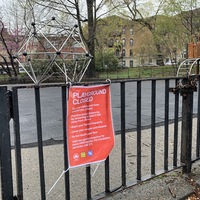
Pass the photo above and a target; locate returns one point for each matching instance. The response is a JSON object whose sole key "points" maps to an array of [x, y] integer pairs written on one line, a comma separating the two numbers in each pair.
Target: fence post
{"points": [[186, 88], [5, 148], [186, 128]]}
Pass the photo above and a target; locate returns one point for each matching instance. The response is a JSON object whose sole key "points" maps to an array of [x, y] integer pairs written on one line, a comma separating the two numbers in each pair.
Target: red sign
{"points": [[90, 133]]}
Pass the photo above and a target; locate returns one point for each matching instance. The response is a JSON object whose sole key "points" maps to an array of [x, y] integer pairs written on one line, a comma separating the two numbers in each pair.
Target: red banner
{"points": [[90, 133]]}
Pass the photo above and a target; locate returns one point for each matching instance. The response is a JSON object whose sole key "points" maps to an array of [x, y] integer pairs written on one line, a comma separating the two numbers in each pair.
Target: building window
{"points": [[131, 63], [123, 31], [131, 42], [131, 31], [49, 45], [124, 42], [117, 52], [110, 42], [131, 53], [76, 44], [123, 63], [123, 52], [167, 60]]}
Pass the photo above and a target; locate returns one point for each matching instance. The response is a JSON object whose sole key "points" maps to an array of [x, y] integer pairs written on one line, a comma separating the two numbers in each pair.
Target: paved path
{"points": [[54, 165]]}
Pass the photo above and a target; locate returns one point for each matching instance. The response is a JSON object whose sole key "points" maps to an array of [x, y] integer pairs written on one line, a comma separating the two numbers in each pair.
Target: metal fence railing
{"points": [[148, 142]]}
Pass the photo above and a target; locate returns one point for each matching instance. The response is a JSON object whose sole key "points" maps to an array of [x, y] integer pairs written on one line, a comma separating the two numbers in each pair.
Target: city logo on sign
{"points": [[90, 153], [83, 155], [76, 156]]}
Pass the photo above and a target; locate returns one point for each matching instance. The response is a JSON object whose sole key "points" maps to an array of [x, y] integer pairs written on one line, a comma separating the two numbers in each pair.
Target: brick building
{"points": [[50, 46], [127, 42]]}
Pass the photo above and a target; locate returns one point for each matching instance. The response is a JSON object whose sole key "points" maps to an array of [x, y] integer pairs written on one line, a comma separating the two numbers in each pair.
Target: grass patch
{"points": [[119, 73], [139, 72]]}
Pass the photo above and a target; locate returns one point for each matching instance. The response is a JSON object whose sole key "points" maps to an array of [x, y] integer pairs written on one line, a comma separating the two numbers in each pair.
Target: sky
{"points": [[150, 9]]}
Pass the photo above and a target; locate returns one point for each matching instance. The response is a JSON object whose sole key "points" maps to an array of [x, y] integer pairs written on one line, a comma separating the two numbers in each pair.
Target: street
{"points": [[51, 108]]}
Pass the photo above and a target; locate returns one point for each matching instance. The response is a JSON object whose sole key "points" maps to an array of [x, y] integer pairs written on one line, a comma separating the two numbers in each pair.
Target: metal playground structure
{"points": [[190, 66], [52, 48]]}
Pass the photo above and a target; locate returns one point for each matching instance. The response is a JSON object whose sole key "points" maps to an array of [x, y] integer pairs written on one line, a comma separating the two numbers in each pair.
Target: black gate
{"points": [[157, 130]]}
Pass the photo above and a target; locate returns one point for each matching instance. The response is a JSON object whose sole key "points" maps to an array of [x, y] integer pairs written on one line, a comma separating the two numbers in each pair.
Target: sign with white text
{"points": [[90, 133]]}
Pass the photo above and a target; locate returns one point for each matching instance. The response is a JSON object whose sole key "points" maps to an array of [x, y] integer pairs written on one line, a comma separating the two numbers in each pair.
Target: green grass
{"points": [[3, 77], [122, 73], [139, 72]]}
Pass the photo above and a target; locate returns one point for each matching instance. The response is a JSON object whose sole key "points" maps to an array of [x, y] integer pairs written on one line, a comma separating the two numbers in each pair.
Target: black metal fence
{"points": [[157, 130]]}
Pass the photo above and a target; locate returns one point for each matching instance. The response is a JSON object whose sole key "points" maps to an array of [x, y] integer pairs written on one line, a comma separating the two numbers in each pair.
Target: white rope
{"points": [[96, 169], [57, 180]]}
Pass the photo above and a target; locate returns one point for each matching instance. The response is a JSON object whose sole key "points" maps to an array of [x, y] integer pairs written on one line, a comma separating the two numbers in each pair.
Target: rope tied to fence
{"points": [[64, 171]]}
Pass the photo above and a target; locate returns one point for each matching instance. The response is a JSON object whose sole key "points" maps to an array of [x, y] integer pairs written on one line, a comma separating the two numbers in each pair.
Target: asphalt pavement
{"points": [[51, 107]]}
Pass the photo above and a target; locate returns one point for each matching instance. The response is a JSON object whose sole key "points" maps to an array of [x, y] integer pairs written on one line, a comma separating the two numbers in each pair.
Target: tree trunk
{"points": [[159, 58], [13, 65], [91, 38]]}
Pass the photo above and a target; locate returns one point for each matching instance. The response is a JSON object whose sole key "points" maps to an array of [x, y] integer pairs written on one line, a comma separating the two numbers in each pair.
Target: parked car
{"points": [[21, 70], [2, 72], [151, 65], [169, 63]]}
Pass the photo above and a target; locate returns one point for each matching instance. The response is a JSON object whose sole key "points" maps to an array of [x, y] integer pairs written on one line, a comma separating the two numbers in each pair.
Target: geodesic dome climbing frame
{"points": [[52, 48]]}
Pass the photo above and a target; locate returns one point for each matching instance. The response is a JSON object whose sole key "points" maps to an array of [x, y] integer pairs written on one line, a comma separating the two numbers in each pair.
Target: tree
{"points": [[144, 45], [108, 36], [182, 24], [188, 13], [144, 13], [9, 43], [11, 37], [106, 59], [82, 12]]}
